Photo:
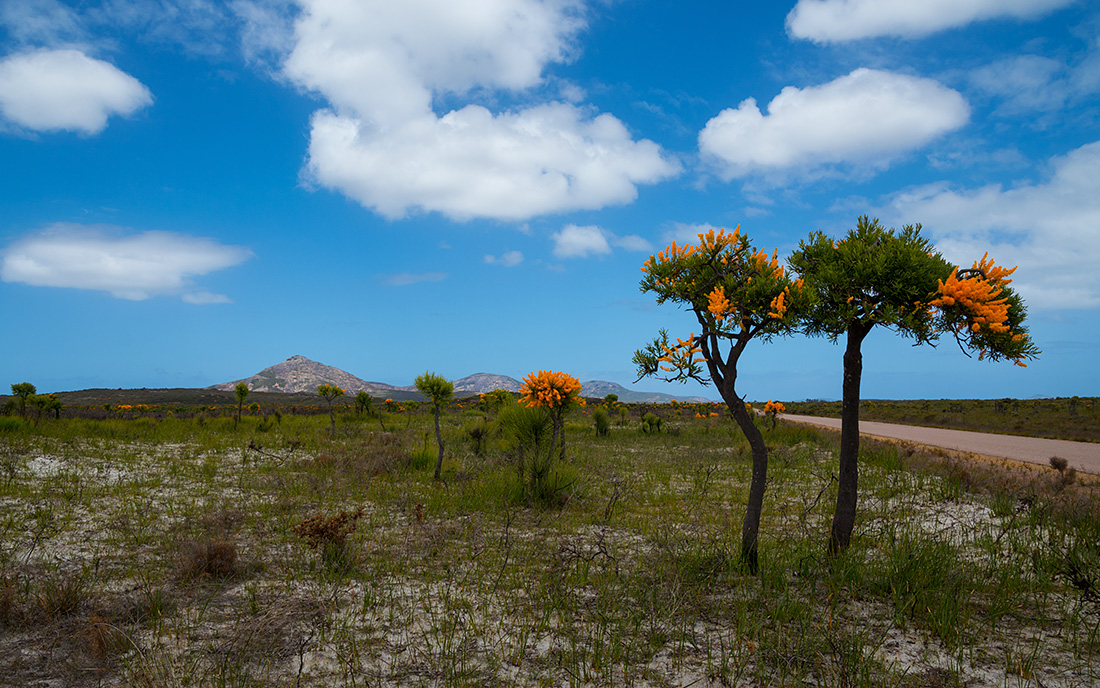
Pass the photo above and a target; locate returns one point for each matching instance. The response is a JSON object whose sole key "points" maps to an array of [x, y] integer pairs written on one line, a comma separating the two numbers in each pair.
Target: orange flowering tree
{"points": [[878, 276], [557, 393], [737, 293], [772, 409]]}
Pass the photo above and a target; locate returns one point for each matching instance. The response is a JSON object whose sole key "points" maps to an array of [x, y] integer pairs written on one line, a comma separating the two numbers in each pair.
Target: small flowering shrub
{"points": [[494, 401], [772, 409], [555, 392]]}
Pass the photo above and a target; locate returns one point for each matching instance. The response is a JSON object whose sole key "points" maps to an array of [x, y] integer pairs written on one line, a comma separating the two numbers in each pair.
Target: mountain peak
{"points": [[300, 374]]}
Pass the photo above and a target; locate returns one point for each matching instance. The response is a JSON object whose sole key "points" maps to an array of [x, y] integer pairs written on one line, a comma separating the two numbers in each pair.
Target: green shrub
{"points": [[651, 423], [478, 433], [603, 422], [527, 434]]}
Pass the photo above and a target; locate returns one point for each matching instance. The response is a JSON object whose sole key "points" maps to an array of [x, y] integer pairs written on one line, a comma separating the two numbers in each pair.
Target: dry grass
{"points": [[180, 555]]}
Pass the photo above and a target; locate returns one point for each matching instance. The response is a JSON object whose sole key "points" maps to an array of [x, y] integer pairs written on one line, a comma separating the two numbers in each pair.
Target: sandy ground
{"points": [[1084, 456]]}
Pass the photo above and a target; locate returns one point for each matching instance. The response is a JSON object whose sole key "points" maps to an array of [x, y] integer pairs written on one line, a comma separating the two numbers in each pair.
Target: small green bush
{"points": [[527, 434], [651, 423], [602, 420]]}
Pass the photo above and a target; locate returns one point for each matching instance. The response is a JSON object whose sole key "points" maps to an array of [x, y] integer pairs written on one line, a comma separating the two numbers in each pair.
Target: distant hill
{"points": [[600, 388], [479, 383], [300, 375]]}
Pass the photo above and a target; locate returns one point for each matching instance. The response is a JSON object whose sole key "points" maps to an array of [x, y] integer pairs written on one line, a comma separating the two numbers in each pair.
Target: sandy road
{"points": [[1084, 456]]}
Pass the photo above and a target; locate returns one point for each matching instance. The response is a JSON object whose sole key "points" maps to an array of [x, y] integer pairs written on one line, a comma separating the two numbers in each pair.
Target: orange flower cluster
{"points": [[551, 390], [718, 304], [978, 295], [765, 266], [673, 252], [710, 242], [774, 407], [778, 306], [715, 243], [682, 354]]}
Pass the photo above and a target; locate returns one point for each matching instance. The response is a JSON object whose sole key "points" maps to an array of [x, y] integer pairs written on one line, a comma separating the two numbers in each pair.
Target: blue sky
{"points": [[196, 190]]}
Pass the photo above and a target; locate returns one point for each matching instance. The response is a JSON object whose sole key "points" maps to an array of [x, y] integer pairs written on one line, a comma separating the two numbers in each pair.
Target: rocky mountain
{"points": [[300, 374], [598, 389], [486, 382]]}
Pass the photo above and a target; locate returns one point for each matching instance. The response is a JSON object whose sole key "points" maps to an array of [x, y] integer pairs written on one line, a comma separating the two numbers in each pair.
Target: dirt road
{"points": [[1084, 456]]}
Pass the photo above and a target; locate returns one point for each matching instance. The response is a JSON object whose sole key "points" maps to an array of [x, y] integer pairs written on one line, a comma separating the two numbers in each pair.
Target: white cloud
{"points": [[1049, 229], [383, 60], [204, 298], [382, 65], [472, 163], [509, 259], [404, 279], [574, 241], [202, 27], [1034, 83], [41, 22], [580, 242], [867, 117], [50, 90], [632, 242], [266, 29], [127, 266], [686, 233], [831, 21]]}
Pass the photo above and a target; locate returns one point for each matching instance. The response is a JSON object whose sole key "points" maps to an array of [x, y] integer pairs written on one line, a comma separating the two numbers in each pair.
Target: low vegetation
{"points": [[1066, 418], [178, 549]]}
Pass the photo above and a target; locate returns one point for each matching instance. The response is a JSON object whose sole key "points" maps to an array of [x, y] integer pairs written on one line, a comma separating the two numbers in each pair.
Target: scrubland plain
{"points": [[147, 548]]}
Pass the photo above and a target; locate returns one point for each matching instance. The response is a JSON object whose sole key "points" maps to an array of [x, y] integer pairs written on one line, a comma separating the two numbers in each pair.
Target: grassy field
{"points": [[1074, 418], [156, 549]]}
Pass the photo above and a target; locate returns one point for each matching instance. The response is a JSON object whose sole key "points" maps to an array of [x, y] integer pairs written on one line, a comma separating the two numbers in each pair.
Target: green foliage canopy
{"points": [[436, 387]]}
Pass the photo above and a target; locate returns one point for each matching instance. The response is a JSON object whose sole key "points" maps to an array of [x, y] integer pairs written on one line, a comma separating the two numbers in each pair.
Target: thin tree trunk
{"points": [[750, 529], [439, 439], [844, 518]]}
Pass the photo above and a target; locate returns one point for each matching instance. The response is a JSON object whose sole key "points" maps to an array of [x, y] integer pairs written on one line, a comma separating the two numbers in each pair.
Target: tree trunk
{"points": [[844, 518], [439, 439], [750, 529]]}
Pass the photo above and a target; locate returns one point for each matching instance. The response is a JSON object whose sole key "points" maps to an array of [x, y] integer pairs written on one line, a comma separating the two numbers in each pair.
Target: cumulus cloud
{"points": [[382, 65], [127, 266], [384, 60], [574, 241], [867, 117], [472, 163], [1047, 228], [404, 279], [833, 21], [52, 90], [510, 259]]}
